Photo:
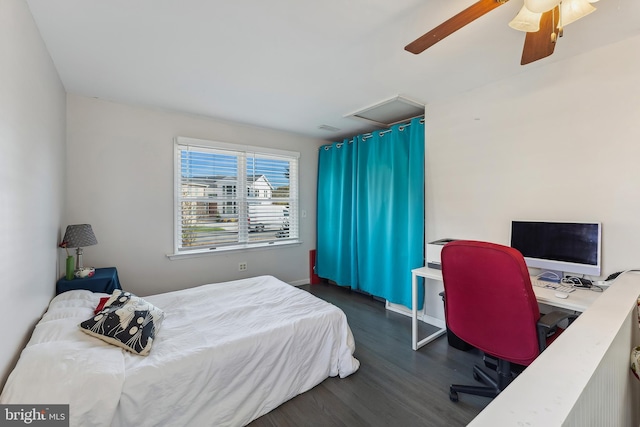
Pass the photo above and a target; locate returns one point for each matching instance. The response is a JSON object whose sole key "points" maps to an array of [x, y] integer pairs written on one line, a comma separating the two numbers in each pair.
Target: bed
{"points": [[225, 354]]}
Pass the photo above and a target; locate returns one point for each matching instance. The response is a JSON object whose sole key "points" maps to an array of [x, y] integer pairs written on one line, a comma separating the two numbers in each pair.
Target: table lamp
{"points": [[78, 236]]}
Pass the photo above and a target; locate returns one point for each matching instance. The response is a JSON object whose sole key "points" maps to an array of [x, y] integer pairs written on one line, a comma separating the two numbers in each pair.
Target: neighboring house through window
{"points": [[233, 197]]}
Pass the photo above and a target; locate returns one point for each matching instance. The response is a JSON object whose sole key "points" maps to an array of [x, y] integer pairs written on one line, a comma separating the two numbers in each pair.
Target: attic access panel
{"points": [[390, 112]]}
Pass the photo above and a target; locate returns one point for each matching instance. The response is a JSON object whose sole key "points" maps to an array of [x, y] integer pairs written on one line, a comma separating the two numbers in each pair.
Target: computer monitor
{"points": [[564, 247]]}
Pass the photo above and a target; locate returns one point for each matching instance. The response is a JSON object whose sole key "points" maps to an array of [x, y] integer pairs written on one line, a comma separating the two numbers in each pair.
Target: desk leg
{"points": [[414, 309], [415, 344]]}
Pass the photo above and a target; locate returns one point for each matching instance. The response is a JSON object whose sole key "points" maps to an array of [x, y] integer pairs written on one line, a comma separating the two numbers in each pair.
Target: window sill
{"points": [[226, 249]]}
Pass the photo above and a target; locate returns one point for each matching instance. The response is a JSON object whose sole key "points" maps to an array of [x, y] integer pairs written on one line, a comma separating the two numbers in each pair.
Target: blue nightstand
{"points": [[104, 280]]}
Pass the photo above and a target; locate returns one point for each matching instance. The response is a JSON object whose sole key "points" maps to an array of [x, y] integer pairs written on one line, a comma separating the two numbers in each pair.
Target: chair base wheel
{"points": [[494, 386]]}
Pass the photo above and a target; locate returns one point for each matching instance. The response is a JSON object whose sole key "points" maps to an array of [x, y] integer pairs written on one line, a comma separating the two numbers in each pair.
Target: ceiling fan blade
{"points": [[540, 44], [452, 25]]}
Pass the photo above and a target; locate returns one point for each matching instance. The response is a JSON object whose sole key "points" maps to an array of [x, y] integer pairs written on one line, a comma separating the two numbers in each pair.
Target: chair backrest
{"points": [[489, 301]]}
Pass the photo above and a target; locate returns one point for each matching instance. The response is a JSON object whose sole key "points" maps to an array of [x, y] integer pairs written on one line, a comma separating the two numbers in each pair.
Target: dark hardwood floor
{"points": [[394, 385]]}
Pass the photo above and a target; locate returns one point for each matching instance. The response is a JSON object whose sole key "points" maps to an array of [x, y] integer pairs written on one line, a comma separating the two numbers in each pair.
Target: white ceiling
{"points": [[293, 65]]}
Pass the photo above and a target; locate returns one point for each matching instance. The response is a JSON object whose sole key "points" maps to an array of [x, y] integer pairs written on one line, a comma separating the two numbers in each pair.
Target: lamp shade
{"points": [[539, 6], [526, 21], [572, 10], [79, 236]]}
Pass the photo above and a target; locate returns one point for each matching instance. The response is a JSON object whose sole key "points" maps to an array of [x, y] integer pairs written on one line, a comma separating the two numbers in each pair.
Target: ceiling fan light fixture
{"points": [[539, 6], [526, 21], [572, 10]]}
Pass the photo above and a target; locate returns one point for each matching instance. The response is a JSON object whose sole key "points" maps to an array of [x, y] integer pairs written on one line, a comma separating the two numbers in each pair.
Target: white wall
{"points": [[558, 142], [32, 140], [120, 180]]}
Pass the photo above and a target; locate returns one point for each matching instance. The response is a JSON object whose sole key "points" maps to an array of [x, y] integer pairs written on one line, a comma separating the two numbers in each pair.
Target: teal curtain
{"points": [[336, 224], [371, 211]]}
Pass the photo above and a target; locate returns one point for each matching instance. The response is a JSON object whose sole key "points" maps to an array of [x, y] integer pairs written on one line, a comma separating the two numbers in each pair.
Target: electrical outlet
{"points": [[242, 266]]}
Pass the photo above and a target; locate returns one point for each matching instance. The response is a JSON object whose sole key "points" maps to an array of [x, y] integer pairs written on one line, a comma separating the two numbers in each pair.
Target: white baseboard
{"points": [[422, 316], [398, 308], [300, 282]]}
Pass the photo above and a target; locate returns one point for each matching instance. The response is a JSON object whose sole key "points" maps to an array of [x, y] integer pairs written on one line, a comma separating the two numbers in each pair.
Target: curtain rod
{"points": [[366, 136], [382, 132]]}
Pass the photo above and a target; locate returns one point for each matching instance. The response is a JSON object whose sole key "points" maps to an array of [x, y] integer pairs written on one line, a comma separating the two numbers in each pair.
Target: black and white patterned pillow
{"points": [[127, 321], [119, 298]]}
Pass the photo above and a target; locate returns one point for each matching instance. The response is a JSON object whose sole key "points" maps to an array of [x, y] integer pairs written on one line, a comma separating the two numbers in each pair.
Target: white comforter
{"points": [[225, 354]]}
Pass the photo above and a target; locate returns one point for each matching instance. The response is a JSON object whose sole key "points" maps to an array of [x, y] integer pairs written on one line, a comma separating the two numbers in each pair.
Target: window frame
{"points": [[242, 151]]}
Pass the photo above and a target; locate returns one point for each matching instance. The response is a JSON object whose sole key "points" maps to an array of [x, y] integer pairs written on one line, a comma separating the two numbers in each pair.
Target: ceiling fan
{"points": [[542, 20]]}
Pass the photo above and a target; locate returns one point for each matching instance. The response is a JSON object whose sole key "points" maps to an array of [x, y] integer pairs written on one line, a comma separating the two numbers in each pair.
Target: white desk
{"points": [[579, 300]]}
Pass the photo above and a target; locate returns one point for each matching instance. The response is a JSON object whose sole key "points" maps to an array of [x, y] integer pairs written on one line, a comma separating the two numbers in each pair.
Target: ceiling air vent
{"points": [[329, 128], [386, 113]]}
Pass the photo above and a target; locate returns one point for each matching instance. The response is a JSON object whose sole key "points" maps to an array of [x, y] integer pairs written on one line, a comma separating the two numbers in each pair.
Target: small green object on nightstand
{"points": [[70, 267]]}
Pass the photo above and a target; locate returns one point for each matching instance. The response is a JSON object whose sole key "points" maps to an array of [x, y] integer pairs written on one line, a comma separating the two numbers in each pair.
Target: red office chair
{"points": [[490, 304]]}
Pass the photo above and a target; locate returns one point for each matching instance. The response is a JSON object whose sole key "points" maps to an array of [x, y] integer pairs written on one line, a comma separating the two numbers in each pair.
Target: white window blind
{"points": [[234, 197]]}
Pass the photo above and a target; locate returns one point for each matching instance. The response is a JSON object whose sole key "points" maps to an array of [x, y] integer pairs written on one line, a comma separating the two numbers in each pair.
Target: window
{"points": [[233, 197]]}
